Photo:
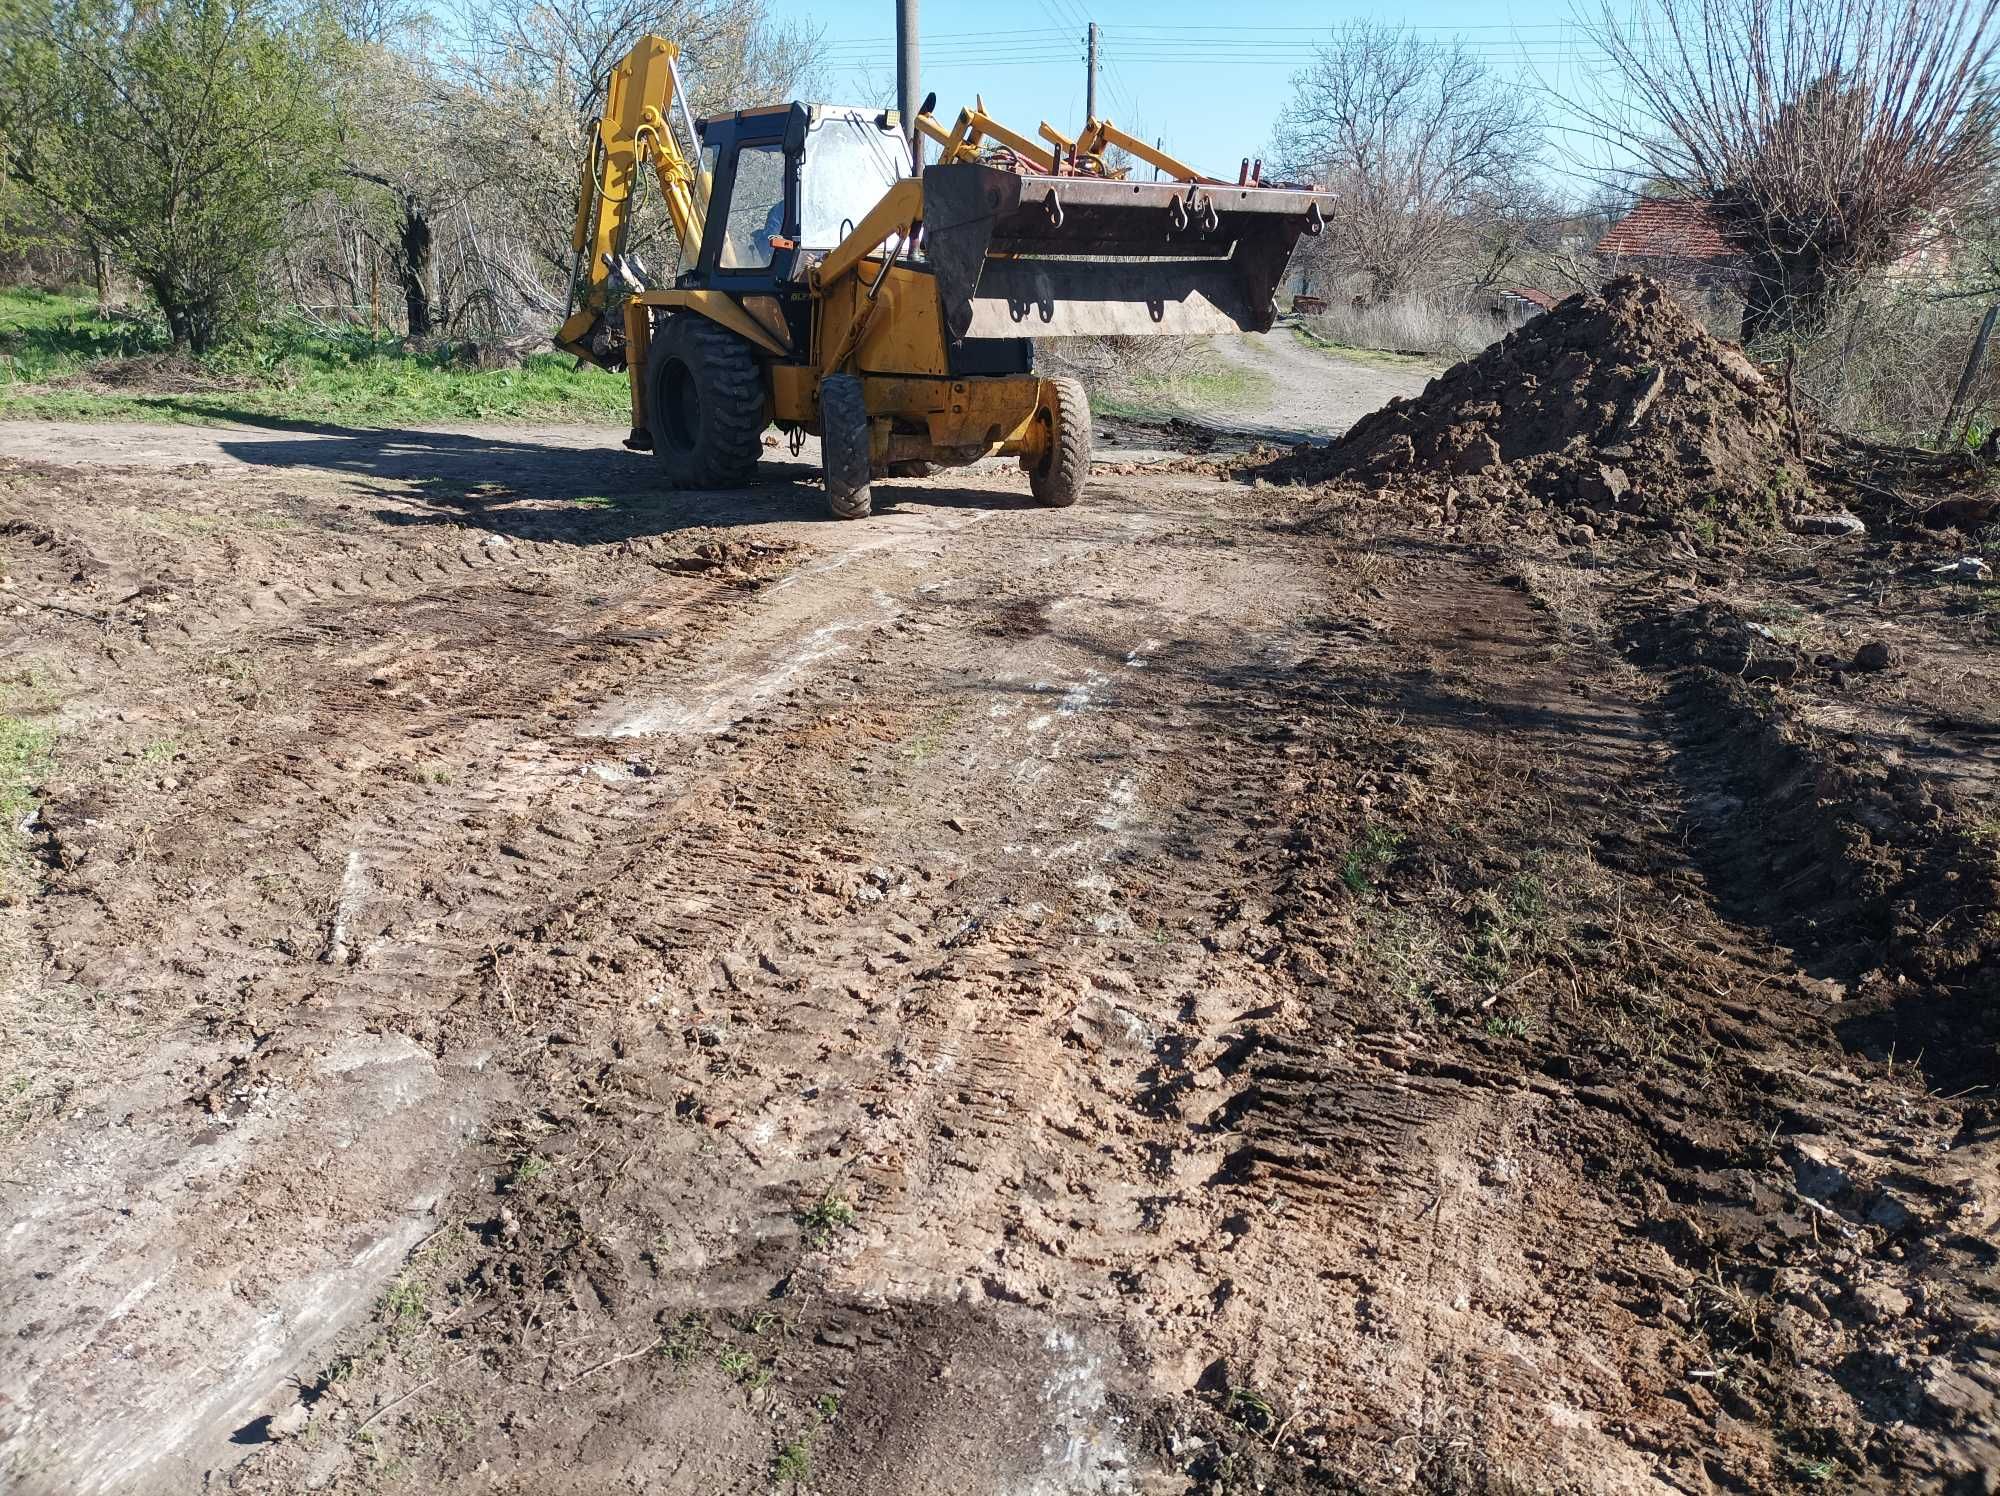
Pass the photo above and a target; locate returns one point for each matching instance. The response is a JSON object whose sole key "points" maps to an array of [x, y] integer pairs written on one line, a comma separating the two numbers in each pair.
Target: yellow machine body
{"points": [[933, 287]]}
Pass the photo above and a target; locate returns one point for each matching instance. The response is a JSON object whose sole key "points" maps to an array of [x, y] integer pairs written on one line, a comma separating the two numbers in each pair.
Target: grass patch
{"points": [[794, 1462], [406, 1304], [1507, 922], [741, 1366], [25, 751], [684, 1345], [1202, 381], [526, 1171], [826, 1215], [1348, 353], [289, 371], [1250, 1409], [1365, 860]]}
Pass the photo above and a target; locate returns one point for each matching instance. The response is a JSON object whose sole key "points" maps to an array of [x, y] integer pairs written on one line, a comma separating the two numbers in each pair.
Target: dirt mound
{"points": [[1618, 407]]}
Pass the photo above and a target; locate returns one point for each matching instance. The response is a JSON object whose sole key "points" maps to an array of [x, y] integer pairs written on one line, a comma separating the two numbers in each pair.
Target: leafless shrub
{"points": [[1831, 138], [1117, 365], [1889, 362], [1442, 325]]}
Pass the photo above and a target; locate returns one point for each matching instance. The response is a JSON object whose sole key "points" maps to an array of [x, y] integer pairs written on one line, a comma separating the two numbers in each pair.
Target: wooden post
{"points": [[1971, 375], [374, 296]]}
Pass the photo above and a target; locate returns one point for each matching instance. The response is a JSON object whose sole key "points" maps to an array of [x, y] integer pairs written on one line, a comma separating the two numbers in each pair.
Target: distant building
{"points": [[1523, 301], [1683, 236], [1677, 235]]}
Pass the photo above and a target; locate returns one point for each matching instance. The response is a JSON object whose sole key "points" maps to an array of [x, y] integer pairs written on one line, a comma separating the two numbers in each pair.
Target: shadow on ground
{"points": [[552, 491]]}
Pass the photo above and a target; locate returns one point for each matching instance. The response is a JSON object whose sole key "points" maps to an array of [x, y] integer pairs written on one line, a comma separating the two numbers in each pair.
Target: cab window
{"points": [[756, 207], [850, 163]]}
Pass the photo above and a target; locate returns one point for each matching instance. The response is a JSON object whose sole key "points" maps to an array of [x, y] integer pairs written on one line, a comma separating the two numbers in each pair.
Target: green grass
{"points": [[287, 371], [527, 1169], [1203, 382], [826, 1215], [1375, 850], [1251, 1409], [793, 1463], [1507, 923], [24, 758], [1347, 353]]}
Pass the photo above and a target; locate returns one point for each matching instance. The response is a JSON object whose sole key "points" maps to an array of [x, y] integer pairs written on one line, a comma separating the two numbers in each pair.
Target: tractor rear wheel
{"points": [[1058, 478], [843, 446], [704, 403]]}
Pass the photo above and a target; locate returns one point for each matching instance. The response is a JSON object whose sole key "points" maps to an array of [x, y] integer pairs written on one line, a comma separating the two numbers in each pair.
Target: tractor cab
{"points": [[786, 184]]}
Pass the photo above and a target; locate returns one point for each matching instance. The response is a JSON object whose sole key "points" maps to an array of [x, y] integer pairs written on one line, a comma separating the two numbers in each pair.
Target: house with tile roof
{"points": [[1684, 234], [1677, 232]]}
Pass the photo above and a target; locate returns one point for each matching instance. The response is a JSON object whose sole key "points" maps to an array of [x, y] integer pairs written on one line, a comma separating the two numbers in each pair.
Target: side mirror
{"points": [[930, 102]]}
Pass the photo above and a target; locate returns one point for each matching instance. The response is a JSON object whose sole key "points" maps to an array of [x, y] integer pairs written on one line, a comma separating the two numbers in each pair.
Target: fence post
{"points": [[1971, 374]]}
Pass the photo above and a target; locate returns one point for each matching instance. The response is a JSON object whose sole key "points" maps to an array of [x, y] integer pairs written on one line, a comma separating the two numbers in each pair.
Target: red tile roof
{"points": [[1667, 228], [1528, 294]]}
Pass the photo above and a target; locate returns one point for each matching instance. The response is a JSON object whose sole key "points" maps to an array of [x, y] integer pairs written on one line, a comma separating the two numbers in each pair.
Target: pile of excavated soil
{"points": [[1618, 410]]}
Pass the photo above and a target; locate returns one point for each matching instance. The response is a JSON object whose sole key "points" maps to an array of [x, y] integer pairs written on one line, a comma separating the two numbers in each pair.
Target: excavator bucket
{"points": [[1064, 256]]}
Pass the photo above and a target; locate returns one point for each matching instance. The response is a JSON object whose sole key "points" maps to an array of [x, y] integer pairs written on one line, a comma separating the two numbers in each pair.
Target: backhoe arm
{"points": [[632, 134]]}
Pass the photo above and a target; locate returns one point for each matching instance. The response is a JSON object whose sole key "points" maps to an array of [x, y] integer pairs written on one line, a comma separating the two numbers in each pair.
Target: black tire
{"points": [[1059, 478], [918, 469], [843, 446], [704, 403]]}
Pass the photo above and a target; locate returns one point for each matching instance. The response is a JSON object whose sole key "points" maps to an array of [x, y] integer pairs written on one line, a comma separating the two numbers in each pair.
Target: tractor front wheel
{"points": [[704, 402], [843, 446], [1063, 468]]}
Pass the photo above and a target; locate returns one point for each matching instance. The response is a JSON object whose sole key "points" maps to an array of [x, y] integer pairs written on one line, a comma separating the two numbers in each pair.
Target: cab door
{"points": [[750, 239]]}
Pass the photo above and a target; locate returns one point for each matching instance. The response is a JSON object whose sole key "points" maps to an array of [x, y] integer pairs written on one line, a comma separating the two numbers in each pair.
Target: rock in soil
{"points": [[1831, 522]]}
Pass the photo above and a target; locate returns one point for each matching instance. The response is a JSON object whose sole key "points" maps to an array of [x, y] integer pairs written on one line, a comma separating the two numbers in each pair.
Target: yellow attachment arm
{"points": [[632, 133], [899, 212], [962, 141], [1099, 134], [973, 126]]}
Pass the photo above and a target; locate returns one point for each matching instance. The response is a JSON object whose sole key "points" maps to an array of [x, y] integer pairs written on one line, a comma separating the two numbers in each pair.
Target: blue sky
{"points": [[1171, 68]]}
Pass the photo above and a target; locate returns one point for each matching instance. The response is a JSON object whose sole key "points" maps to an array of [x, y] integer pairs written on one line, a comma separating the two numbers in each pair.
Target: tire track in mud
{"points": [[428, 878], [1003, 793], [1103, 973]]}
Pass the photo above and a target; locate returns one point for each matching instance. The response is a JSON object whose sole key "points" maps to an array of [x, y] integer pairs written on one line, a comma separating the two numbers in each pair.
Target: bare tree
{"points": [[1828, 137], [544, 64], [1416, 136], [410, 144]]}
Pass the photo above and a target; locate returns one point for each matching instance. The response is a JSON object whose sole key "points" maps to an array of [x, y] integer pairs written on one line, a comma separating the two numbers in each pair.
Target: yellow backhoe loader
{"points": [[827, 289]]}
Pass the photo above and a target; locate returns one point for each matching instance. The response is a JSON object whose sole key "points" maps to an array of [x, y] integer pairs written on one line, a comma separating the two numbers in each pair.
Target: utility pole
{"points": [[1090, 85], [906, 77]]}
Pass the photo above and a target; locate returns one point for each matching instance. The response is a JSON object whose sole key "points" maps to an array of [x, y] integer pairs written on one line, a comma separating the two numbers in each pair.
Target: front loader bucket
{"points": [[1040, 256]]}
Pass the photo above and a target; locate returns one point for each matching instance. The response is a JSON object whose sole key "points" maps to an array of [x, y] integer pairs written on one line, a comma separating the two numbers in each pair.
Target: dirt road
{"points": [[1313, 392], [520, 983]]}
